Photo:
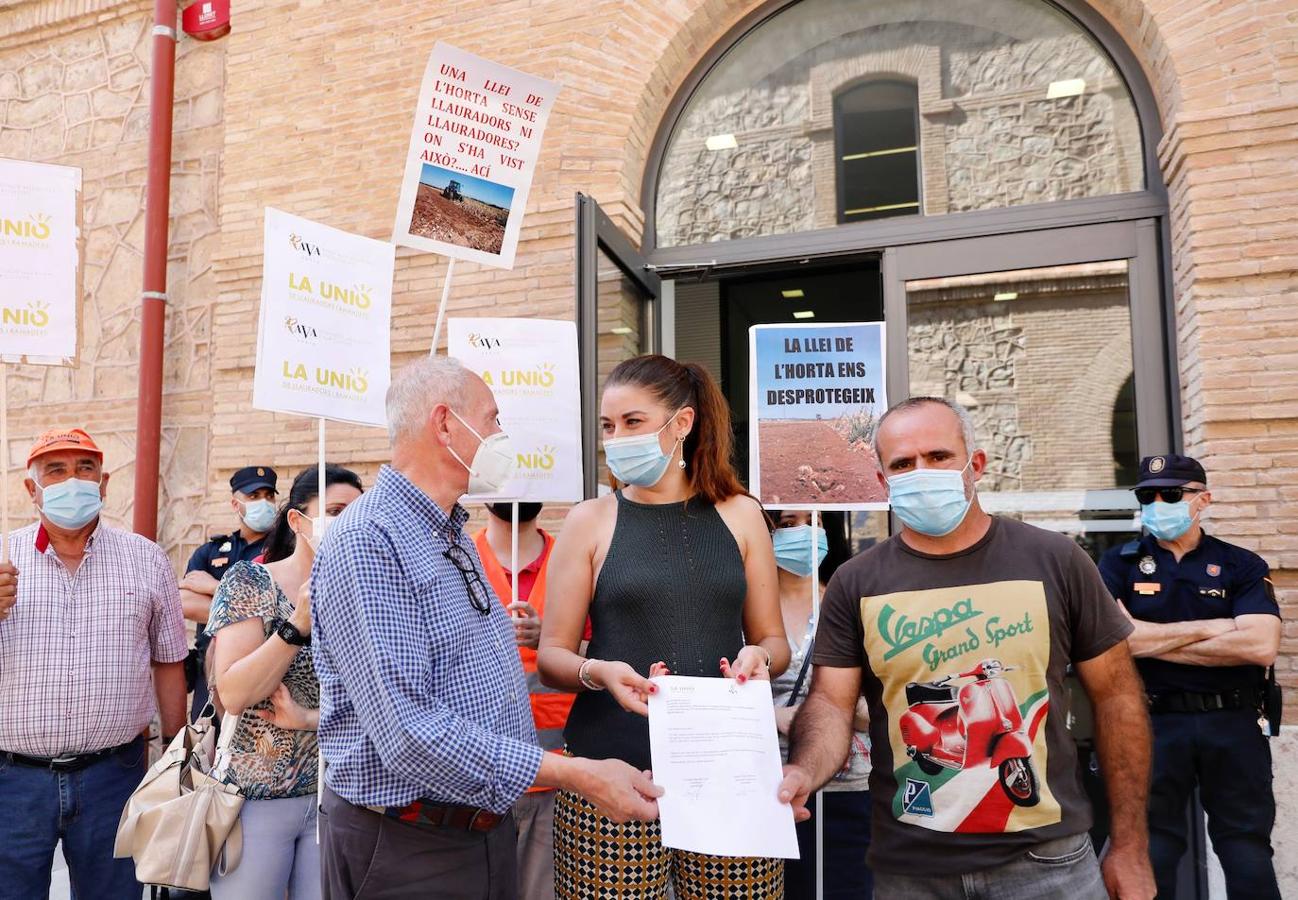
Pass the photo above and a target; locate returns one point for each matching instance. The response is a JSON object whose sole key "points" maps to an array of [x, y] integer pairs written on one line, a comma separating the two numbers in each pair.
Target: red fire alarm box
{"points": [[206, 20]]}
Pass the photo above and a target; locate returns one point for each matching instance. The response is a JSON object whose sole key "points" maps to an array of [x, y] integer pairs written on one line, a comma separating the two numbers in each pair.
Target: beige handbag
{"points": [[183, 820]]}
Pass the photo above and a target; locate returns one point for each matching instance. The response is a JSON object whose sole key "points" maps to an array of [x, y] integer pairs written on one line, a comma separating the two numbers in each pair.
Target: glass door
{"points": [[1058, 362], [618, 317]]}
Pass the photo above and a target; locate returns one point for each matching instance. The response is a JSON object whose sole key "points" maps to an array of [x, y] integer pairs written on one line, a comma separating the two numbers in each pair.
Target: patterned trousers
{"points": [[595, 859]]}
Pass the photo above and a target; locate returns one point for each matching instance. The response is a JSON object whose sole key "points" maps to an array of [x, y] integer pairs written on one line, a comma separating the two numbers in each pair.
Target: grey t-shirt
{"points": [[963, 660]]}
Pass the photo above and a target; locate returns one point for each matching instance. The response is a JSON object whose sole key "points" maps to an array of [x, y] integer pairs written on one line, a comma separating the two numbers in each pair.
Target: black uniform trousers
{"points": [[1227, 756]]}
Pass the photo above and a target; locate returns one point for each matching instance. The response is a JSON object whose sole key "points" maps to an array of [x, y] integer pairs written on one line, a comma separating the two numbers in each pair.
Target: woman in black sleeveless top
{"points": [[676, 573]]}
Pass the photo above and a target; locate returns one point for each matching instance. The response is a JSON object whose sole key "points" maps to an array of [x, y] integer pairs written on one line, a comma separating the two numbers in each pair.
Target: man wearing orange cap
{"points": [[96, 611]]}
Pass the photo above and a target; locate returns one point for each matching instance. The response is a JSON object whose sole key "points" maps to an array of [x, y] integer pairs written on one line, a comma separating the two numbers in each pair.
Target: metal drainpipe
{"points": [[153, 299]]}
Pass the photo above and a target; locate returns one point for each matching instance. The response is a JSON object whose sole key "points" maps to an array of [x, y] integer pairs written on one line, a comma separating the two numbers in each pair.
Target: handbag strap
{"points": [[802, 673], [232, 850], [221, 758]]}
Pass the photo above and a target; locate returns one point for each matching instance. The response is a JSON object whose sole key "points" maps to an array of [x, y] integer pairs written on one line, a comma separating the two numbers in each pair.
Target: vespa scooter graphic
{"points": [[950, 726]]}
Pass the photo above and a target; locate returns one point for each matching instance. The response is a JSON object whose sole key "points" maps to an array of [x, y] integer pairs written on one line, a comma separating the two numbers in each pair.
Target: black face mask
{"points": [[526, 511]]}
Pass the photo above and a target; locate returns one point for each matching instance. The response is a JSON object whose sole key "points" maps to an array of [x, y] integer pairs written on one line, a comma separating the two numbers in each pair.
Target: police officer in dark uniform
{"points": [[1207, 628], [253, 492]]}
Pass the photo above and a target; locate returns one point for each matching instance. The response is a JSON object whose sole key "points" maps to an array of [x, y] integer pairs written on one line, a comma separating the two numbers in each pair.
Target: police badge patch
{"points": [[1156, 465], [1148, 566]]}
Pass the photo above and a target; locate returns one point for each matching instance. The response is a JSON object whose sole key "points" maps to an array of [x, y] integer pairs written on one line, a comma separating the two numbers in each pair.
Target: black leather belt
{"points": [[1187, 702], [70, 762]]}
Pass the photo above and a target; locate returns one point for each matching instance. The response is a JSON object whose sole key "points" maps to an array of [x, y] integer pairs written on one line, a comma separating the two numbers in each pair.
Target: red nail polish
{"points": [[742, 679]]}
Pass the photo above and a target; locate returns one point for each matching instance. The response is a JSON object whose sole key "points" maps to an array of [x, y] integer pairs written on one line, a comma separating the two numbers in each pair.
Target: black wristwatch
{"points": [[289, 634]]}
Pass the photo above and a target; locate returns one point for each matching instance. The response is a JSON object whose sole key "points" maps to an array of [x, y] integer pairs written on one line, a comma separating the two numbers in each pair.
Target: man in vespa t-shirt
{"points": [[958, 631]]}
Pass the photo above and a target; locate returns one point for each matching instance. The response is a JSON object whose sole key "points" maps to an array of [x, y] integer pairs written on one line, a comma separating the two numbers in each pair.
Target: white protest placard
{"points": [[39, 264], [531, 367], [323, 338], [815, 394], [473, 151]]}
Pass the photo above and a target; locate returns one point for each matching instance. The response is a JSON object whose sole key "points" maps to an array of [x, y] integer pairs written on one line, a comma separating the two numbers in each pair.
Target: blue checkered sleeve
{"points": [[382, 636]]}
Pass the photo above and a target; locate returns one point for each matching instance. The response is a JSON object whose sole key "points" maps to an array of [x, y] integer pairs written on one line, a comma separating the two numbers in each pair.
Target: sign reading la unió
{"points": [[531, 367], [473, 151], [323, 338], [39, 264]]}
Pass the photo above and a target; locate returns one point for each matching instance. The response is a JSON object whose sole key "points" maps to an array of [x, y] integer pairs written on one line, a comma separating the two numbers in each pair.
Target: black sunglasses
{"points": [[1146, 496], [478, 594]]}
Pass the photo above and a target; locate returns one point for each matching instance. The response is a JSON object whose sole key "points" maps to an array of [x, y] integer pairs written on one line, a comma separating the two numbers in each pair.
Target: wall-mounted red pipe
{"points": [[153, 300]]}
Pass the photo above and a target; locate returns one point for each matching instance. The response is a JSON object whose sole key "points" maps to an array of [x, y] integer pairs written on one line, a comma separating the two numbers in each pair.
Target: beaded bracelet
{"points": [[583, 676]]}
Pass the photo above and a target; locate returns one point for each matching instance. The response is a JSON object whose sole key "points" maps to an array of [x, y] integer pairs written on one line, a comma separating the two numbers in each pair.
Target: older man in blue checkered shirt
{"points": [[425, 723]]}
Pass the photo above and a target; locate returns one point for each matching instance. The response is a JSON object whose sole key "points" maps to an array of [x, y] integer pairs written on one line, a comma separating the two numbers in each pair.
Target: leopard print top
{"points": [[267, 761]]}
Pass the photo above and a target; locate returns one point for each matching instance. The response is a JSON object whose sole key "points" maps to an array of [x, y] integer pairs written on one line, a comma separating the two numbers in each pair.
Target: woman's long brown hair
{"points": [[708, 447]]}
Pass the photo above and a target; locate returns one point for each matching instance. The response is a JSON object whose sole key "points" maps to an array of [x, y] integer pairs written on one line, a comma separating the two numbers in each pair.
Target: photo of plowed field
{"points": [[469, 223], [461, 209], [813, 461]]}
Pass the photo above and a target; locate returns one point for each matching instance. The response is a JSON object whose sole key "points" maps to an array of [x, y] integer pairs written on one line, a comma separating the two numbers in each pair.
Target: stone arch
{"points": [[707, 23]]}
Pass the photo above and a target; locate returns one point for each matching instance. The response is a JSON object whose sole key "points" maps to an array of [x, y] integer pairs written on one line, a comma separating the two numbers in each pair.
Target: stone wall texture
{"points": [[1041, 373], [306, 106], [988, 135], [74, 91]]}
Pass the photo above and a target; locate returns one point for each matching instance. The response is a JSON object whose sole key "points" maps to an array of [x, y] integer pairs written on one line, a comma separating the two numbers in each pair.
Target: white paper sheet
{"points": [[716, 755]]}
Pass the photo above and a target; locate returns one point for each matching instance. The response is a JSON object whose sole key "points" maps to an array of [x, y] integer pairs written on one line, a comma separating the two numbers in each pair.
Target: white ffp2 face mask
{"points": [[493, 463], [258, 515]]}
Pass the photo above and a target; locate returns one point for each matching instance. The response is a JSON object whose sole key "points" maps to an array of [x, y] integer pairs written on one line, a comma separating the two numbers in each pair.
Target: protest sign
{"points": [[39, 265], [473, 150], [816, 392], [326, 311], [531, 367]]}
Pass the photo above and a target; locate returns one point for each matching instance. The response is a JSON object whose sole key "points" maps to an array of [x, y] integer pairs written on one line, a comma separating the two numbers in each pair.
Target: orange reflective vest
{"points": [[549, 707]]}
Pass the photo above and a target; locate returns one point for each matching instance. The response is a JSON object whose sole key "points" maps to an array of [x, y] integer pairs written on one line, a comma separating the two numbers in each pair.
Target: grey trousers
{"points": [[1062, 869], [368, 856], [534, 816]]}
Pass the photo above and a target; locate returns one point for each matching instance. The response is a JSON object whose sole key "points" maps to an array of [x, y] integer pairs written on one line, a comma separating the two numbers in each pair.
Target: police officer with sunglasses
{"points": [[1207, 629]]}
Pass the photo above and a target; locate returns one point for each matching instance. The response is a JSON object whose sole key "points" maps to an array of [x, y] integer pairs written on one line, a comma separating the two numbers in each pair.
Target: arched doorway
{"points": [[981, 177]]}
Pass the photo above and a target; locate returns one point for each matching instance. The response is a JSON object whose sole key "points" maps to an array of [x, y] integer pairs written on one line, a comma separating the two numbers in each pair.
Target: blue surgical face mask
{"points": [[930, 501], [793, 549], [71, 504], [259, 515], [639, 459], [1166, 521]]}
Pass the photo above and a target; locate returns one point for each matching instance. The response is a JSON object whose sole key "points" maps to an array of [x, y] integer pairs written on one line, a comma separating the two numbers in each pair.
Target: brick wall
{"points": [[306, 106], [74, 91], [314, 117]]}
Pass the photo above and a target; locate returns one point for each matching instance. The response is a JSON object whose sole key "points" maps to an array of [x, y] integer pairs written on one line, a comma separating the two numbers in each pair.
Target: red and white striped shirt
{"points": [[76, 649]]}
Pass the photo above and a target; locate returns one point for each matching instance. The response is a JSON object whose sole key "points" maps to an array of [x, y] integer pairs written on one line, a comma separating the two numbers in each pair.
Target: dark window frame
{"points": [[840, 167]]}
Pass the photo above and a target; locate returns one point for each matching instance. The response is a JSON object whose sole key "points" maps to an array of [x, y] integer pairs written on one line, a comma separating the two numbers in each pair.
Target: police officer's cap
{"points": [[253, 478], [1170, 470]]}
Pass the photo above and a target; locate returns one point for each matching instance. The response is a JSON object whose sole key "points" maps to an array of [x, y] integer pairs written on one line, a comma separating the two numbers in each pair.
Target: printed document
{"points": [[717, 758]]}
